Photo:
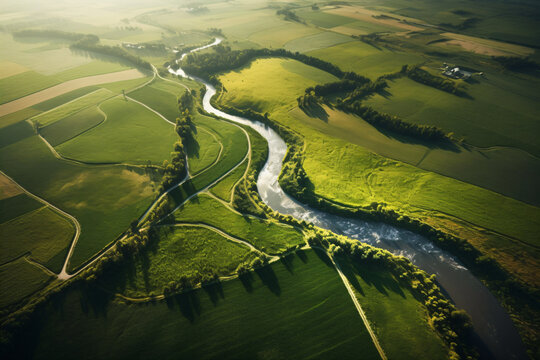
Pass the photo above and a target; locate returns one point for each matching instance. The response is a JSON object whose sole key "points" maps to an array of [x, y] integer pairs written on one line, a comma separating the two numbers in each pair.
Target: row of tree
{"points": [[42, 33], [422, 76]]}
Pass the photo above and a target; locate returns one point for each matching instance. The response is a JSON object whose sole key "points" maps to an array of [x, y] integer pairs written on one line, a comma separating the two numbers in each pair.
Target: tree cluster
{"points": [[55, 34], [517, 63], [424, 77], [116, 51], [289, 15]]}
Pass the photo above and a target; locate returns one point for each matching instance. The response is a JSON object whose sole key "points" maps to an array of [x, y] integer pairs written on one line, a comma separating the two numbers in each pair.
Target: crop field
{"points": [[494, 120], [130, 134], [266, 236], [400, 320], [17, 205], [72, 125], [181, 251], [72, 107], [282, 34], [164, 102], [323, 19], [96, 67], [104, 199], [17, 86], [366, 59], [18, 279], [8, 68], [363, 28], [300, 301]]}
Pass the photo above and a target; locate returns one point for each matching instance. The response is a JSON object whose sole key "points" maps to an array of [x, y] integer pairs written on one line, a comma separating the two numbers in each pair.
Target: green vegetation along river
{"points": [[491, 322]]}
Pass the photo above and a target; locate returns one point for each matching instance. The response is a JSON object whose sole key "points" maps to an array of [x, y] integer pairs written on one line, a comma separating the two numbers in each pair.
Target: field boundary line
{"points": [[359, 309], [75, 222], [217, 158]]}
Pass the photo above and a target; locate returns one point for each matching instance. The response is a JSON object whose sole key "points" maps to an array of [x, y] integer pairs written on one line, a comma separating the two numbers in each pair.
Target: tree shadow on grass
{"points": [[192, 147], [189, 304], [350, 274], [378, 277], [214, 291], [94, 300], [247, 281], [269, 279], [323, 256], [288, 262], [315, 110], [302, 255]]}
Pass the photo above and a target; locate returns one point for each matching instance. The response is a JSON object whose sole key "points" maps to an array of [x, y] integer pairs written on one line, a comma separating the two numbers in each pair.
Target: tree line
{"points": [[55, 34]]}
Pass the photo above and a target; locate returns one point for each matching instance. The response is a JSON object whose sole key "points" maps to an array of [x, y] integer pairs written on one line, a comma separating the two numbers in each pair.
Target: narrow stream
{"points": [[491, 322]]}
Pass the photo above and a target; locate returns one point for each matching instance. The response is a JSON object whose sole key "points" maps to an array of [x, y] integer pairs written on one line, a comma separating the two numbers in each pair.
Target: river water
{"points": [[491, 322]]}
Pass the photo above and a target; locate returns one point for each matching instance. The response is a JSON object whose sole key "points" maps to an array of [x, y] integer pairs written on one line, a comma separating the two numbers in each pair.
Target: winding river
{"points": [[492, 324]]}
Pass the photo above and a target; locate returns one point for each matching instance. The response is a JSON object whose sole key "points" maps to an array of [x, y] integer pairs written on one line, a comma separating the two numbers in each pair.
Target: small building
{"points": [[455, 72]]}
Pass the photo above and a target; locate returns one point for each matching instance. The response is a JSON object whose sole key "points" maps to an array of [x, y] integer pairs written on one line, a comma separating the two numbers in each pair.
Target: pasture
{"points": [[269, 313], [203, 151], [224, 188], [267, 236], [180, 251], [130, 134], [317, 41]]}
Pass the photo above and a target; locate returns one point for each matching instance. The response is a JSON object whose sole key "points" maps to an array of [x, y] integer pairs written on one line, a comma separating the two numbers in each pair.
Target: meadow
{"points": [[269, 313], [224, 188], [267, 236], [203, 151], [180, 252], [130, 134]]}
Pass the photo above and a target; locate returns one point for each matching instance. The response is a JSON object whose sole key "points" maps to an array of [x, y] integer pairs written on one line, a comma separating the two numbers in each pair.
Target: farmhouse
{"points": [[455, 72]]}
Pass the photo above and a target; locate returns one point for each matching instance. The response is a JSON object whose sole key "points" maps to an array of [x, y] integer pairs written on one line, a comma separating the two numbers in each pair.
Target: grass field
{"points": [[67, 128], [366, 59], [130, 134], [507, 171], [264, 235], [9, 68], [16, 86], [180, 251], [17, 205], [96, 67], [224, 188], [104, 199], [397, 317], [280, 35], [294, 78], [42, 233], [164, 102], [323, 19], [19, 279], [300, 301], [485, 121], [72, 107]]}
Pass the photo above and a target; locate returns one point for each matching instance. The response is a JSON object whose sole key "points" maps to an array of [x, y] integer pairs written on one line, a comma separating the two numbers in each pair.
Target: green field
{"points": [[180, 251], [18, 279], [63, 130], [203, 151], [400, 320], [164, 102], [266, 236], [350, 174], [104, 199], [235, 147], [269, 314], [322, 19], [17, 86], [17, 205], [245, 90], [366, 59], [130, 134], [96, 67], [507, 171], [485, 121], [72, 107], [43, 233], [224, 188], [315, 42]]}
